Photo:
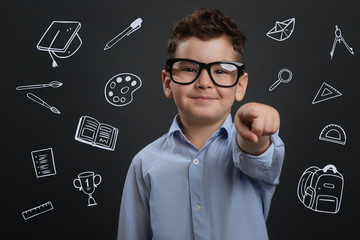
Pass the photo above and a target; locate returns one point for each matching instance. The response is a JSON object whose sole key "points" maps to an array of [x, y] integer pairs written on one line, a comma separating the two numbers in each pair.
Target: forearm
{"points": [[265, 167], [253, 148]]}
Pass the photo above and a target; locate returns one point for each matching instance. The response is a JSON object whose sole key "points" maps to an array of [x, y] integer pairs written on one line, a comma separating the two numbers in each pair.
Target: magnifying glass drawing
{"points": [[281, 79]]}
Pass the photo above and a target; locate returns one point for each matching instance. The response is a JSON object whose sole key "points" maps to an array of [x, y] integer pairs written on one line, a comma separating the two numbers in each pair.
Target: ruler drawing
{"points": [[32, 212]]}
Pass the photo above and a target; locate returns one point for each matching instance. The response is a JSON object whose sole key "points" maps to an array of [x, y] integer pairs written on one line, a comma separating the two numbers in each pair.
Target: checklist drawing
{"points": [[43, 161]]}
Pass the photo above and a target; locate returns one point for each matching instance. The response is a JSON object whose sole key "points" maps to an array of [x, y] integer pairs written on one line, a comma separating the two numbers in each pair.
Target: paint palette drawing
{"points": [[120, 88], [333, 133]]}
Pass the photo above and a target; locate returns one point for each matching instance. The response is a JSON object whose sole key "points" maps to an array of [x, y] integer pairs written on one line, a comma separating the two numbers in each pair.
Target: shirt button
{"points": [[197, 207], [196, 161]]}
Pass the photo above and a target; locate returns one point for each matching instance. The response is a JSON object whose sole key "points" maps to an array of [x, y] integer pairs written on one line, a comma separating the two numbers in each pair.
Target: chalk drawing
{"points": [[87, 182], [338, 39], [282, 30], [135, 25], [321, 189], [61, 40], [120, 88]]}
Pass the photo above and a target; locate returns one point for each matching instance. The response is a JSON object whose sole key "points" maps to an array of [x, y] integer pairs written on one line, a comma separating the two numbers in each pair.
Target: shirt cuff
{"points": [[265, 167]]}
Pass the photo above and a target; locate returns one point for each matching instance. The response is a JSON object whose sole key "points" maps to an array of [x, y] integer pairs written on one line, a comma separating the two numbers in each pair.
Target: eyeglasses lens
{"points": [[224, 74], [185, 71]]}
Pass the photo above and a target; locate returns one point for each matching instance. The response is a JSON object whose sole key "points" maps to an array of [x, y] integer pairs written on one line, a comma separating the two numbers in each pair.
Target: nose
{"points": [[204, 80]]}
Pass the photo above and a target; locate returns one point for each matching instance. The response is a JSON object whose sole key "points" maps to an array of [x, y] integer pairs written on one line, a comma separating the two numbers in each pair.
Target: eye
{"points": [[220, 71], [223, 68], [188, 69]]}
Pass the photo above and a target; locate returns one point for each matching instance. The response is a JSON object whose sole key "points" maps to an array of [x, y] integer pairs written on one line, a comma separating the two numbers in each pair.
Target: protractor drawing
{"points": [[333, 133]]}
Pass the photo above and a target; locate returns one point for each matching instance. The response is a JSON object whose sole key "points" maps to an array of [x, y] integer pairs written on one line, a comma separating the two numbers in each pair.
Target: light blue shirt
{"points": [[175, 191]]}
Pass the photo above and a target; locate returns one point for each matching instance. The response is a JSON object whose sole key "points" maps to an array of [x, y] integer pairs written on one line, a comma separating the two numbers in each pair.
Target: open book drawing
{"points": [[92, 132]]}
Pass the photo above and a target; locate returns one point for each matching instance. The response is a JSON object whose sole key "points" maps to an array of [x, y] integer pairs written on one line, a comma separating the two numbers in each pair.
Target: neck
{"points": [[198, 132]]}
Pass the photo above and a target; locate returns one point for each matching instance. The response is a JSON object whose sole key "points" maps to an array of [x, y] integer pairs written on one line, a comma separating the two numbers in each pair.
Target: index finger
{"points": [[249, 115]]}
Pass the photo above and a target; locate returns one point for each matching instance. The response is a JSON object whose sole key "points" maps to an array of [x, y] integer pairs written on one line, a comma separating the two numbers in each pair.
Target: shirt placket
{"points": [[198, 208]]}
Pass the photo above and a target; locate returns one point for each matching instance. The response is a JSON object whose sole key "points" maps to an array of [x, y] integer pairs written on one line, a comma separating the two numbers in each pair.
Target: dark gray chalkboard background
{"points": [[29, 126]]}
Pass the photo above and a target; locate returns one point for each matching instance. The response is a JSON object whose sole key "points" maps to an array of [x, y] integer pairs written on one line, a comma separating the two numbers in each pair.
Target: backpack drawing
{"points": [[321, 189]]}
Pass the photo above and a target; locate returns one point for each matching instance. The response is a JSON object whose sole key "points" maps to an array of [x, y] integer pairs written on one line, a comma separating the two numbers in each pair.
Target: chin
{"points": [[205, 114], [210, 116]]}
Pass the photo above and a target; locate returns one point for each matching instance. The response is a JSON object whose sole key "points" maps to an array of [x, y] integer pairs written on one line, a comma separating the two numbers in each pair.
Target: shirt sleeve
{"points": [[264, 169], [134, 219]]}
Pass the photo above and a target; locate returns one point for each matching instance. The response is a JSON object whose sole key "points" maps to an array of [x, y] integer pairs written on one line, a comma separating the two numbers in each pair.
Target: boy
{"points": [[207, 178]]}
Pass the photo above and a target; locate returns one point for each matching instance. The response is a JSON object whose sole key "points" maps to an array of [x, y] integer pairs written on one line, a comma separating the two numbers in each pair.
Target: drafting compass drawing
{"points": [[338, 39]]}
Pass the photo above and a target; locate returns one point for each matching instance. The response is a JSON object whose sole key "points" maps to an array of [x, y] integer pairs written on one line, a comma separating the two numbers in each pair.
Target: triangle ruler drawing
{"points": [[325, 92]]}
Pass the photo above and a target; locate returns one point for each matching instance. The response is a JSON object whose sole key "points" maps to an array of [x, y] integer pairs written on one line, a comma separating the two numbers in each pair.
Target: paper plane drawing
{"points": [[325, 92], [282, 30]]}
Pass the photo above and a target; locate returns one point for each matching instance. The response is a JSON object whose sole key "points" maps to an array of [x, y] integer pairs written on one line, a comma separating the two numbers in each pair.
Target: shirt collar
{"points": [[175, 125], [225, 127]]}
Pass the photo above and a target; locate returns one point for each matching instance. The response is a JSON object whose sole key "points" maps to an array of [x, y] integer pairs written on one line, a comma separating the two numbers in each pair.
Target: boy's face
{"points": [[203, 101]]}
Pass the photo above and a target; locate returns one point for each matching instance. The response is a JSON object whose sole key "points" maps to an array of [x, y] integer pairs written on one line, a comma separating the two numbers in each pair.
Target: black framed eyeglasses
{"points": [[222, 73]]}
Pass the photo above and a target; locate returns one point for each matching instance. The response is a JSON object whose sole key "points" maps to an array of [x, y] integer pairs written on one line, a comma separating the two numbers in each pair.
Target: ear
{"points": [[241, 87], [166, 83]]}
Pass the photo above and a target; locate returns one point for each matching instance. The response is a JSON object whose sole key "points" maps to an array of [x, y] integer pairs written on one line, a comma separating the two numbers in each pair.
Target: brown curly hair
{"points": [[206, 24]]}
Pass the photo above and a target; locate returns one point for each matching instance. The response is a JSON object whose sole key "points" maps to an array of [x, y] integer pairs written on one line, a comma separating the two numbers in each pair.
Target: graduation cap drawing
{"points": [[61, 40], [282, 30]]}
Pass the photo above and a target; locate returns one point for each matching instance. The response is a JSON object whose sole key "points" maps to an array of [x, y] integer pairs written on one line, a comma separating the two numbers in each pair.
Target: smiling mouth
{"points": [[203, 99]]}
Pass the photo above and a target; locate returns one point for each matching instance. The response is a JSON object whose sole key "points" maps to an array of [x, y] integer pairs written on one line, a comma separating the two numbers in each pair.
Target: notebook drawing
{"points": [[92, 132]]}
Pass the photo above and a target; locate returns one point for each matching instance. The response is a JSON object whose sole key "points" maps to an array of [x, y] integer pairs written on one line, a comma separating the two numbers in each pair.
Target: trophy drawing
{"points": [[87, 182]]}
